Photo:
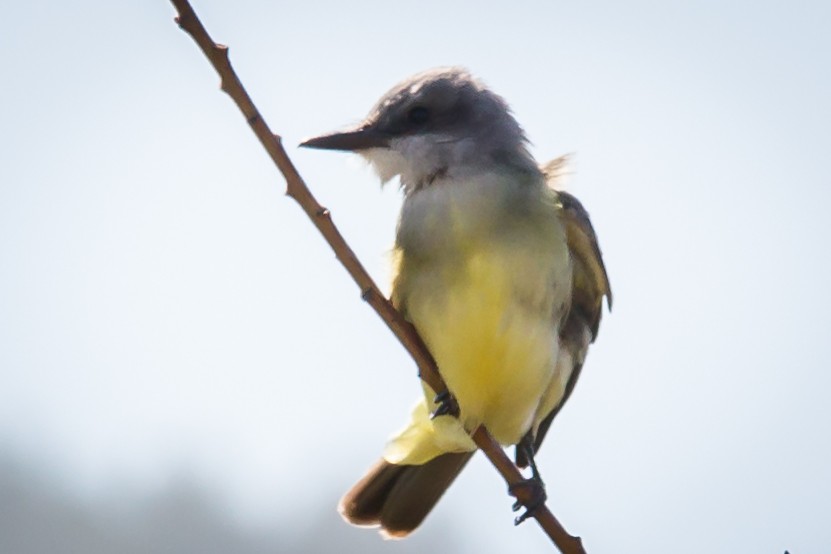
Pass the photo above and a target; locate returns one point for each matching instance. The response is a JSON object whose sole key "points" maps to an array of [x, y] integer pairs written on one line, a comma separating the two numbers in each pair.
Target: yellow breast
{"points": [[483, 272], [494, 348]]}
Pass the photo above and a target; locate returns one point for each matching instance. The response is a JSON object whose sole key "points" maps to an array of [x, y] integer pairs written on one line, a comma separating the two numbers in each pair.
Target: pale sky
{"points": [[167, 314]]}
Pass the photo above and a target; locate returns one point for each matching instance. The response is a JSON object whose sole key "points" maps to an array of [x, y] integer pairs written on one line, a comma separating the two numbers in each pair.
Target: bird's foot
{"points": [[447, 405], [535, 497]]}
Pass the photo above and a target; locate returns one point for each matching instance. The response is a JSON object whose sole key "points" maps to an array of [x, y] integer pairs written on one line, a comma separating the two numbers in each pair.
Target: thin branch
{"points": [[322, 219]]}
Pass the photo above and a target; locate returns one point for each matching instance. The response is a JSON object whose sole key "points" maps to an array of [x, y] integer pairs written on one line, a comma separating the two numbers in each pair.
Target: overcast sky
{"points": [[167, 315]]}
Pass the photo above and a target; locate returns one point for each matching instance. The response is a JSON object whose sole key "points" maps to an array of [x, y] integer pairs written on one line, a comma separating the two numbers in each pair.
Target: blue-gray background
{"points": [[185, 367]]}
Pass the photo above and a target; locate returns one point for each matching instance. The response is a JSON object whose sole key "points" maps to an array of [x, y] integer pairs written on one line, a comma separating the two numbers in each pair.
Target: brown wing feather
{"points": [[590, 284]]}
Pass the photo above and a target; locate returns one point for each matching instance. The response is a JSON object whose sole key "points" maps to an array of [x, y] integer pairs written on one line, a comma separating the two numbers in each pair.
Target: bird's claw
{"points": [[536, 498], [447, 405]]}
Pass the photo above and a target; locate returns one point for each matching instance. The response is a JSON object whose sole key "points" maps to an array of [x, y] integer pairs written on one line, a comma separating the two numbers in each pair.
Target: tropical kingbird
{"points": [[499, 272]]}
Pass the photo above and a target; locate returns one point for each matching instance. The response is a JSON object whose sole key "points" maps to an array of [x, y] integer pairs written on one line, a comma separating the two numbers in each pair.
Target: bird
{"points": [[498, 269]]}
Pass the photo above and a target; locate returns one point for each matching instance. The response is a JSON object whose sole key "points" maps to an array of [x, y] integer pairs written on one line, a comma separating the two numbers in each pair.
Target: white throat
{"points": [[421, 159]]}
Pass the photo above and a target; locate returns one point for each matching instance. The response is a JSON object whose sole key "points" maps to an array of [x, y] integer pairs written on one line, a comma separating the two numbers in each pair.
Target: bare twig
{"points": [[320, 216]]}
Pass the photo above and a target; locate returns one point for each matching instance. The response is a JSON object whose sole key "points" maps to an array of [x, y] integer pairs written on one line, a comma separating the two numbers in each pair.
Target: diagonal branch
{"points": [[322, 219]]}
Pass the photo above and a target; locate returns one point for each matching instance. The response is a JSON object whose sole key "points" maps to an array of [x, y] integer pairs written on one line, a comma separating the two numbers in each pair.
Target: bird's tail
{"points": [[399, 497]]}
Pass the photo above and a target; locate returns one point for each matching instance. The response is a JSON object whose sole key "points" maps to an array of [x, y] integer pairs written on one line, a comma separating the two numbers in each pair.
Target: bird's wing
{"points": [[589, 285]]}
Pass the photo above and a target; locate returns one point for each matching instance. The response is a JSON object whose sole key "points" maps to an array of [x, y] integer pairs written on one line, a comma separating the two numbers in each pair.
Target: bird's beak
{"points": [[360, 138]]}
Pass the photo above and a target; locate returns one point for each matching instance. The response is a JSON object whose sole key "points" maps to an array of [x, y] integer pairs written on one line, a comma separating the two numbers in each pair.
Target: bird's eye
{"points": [[418, 115]]}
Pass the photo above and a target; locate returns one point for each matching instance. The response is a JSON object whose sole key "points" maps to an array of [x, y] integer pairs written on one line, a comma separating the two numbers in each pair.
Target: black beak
{"points": [[361, 138]]}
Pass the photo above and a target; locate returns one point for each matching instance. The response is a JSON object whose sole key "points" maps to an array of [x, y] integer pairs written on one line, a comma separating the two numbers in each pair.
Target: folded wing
{"points": [[590, 284]]}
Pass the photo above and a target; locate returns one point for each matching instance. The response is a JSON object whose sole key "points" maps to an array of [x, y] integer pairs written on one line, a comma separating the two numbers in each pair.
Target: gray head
{"points": [[436, 124]]}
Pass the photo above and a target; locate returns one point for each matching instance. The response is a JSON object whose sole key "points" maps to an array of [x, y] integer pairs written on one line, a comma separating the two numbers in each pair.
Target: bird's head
{"points": [[435, 124]]}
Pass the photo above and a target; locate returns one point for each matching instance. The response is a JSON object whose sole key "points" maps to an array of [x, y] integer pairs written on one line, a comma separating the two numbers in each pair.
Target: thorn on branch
{"points": [[186, 19], [182, 20], [323, 212], [222, 51], [366, 294]]}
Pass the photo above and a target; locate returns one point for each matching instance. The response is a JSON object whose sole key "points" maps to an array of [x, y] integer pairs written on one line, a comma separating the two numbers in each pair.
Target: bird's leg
{"points": [[537, 496], [447, 405]]}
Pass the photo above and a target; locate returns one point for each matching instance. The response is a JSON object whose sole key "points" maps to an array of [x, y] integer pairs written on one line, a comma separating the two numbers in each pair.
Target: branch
{"points": [[322, 219]]}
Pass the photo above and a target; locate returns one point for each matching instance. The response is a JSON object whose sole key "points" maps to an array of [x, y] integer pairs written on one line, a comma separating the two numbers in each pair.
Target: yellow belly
{"points": [[494, 350], [487, 320]]}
